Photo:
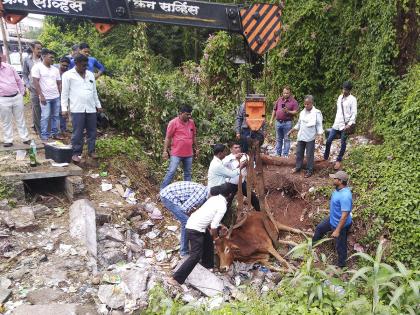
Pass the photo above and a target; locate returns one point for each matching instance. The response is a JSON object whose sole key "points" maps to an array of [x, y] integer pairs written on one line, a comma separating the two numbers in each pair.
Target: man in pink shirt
{"points": [[181, 139], [11, 104]]}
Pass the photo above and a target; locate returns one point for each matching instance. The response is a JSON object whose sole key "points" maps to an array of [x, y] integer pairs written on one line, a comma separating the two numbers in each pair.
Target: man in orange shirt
{"points": [[181, 139]]}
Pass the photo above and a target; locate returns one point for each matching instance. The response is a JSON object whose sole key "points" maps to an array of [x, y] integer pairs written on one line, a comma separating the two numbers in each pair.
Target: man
{"points": [[232, 162], [28, 63], [340, 219], [198, 235], [63, 66], [11, 104], [285, 108], [345, 117], [181, 138], [79, 90], [47, 82], [180, 198], [74, 52], [93, 63], [243, 132], [218, 173], [309, 126]]}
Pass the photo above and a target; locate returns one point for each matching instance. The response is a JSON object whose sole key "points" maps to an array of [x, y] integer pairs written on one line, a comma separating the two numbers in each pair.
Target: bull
{"points": [[252, 240]]}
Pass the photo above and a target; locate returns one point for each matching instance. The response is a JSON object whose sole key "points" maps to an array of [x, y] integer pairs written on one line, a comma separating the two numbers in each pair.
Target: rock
{"points": [[41, 210], [112, 295], [148, 253], [136, 281], [5, 283], [172, 228], [22, 219], [44, 296], [107, 231], [4, 295], [83, 226], [113, 255], [18, 274], [204, 281], [96, 280], [54, 309], [161, 256], [103, 216], [73, 186]]}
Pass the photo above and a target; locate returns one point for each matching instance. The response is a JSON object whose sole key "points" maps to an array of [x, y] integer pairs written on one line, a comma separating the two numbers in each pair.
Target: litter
{"points": [[20, 155], [106, 186], [59, 164], [172, 228]]}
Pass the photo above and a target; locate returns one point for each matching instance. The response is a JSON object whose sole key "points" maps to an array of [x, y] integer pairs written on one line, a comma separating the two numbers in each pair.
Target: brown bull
{"points": [[252, 241]]}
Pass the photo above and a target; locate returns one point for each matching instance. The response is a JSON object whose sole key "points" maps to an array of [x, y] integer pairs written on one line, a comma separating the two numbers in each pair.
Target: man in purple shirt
{"points": [[284, 109], [11, 104]]}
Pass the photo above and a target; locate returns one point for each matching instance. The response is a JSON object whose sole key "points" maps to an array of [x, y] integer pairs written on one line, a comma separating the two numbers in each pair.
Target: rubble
{"points": [[54, 309], [22, 219], [44, 296], [4, 295], [83, 226], [112, 295]]}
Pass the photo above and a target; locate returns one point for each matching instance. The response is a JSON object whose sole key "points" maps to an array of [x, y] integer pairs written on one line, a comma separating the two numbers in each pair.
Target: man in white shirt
{"points": [[47, 83], [79, 88], [310, 127], [198, 235], [345, 118], [218, 173], [232, 162]]}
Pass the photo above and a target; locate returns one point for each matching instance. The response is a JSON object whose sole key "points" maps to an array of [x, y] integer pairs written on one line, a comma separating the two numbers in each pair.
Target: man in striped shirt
{"points": [[180, 198]]}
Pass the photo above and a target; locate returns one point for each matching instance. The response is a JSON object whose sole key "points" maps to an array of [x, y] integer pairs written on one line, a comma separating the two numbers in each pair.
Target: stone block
{"points": [[73, 186], [83, 225]]}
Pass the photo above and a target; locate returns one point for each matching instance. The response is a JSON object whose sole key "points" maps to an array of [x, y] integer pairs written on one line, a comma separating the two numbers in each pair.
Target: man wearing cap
{"points": [[47, 82], [344, 119], [340, 219]]}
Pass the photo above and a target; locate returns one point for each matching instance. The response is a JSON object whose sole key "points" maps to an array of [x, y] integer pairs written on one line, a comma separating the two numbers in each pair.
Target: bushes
{"points": [[388, 182]]}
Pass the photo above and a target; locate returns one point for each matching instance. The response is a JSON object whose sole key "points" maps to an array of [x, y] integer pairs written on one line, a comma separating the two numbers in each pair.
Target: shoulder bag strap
{"points": [[342, 111]]}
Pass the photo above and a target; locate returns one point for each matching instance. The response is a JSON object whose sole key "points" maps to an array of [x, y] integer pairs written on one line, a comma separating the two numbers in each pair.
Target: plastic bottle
{"points": [[32, 154]]}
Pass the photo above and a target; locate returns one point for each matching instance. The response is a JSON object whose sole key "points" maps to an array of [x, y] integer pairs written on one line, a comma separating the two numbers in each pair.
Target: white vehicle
{"points": [[15, 61]]}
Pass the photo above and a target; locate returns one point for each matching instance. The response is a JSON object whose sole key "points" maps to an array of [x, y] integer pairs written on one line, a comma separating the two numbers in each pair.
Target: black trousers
{"points": [[340, 242], [310, 155], [201, 247]]}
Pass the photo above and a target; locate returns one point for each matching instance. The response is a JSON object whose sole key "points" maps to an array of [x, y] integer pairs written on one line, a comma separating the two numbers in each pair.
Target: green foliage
{"points": [[376, 289], [5, 190], [119, 145], [388, 182]]}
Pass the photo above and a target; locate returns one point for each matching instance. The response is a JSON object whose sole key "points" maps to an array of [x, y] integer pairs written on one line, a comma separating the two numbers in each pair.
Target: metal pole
{"points": [[20, 45], [5, 43]]}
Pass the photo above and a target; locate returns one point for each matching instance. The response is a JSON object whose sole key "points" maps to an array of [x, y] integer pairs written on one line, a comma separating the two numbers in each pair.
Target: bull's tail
{"points": [[286, 228]]}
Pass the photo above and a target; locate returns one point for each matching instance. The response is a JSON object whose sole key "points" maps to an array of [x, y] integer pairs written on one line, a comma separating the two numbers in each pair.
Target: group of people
{"points": [[55, 90], [310, 127], [202, 209]]}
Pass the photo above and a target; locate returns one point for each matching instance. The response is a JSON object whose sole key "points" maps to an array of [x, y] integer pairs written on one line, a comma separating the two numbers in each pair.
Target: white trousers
{"points": [[12, 107]]}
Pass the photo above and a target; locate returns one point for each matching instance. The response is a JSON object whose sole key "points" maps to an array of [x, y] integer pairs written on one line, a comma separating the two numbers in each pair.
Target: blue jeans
{"points": [[282, 139], [51, 109], [182, 218], [82, 121], [331, 137], [340, 242], [63, 122], [247, 134], [173, 165]]}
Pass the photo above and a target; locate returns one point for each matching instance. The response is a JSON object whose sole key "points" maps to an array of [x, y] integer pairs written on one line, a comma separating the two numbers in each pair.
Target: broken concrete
{"points": [[73, 186], [44, 296], [55, 309], [22, 219], [112, 295], [41, 210], [4, 295], [83, 225], [136, 281], [103, 216], [109, 232], [204, 280]]}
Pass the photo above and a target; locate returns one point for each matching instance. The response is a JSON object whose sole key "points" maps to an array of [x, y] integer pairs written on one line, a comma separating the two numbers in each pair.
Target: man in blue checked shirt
{"points": [[93, 63], [180, 198]]}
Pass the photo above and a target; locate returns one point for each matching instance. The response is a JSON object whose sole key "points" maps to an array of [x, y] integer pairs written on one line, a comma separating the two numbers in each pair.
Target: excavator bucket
{"points": [[255, 111], [261, 25]]}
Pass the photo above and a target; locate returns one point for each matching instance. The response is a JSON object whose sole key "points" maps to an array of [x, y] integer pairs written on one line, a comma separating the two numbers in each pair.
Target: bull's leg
{"points": [[286, 228], [291, 243], [273, 252]]}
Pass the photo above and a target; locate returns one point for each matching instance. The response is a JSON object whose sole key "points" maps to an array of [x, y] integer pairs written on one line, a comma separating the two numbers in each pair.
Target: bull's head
{"points": [[225, 250]]}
